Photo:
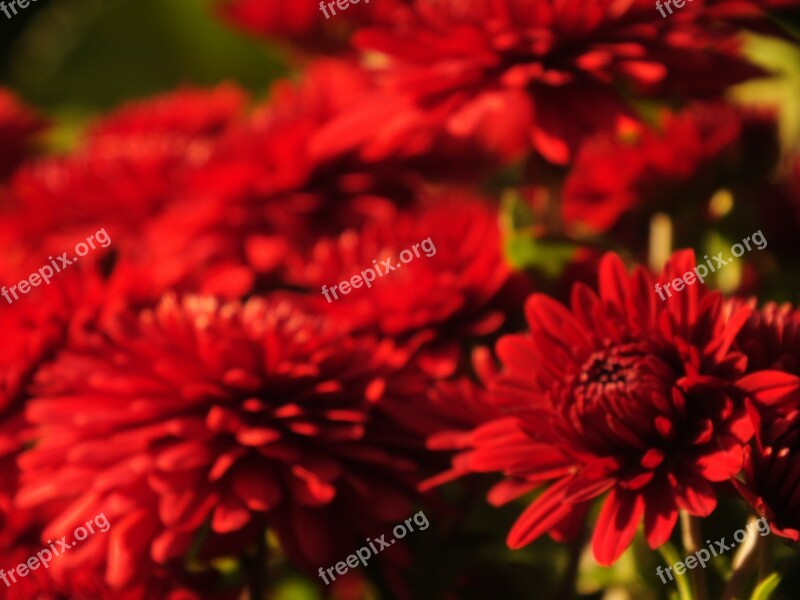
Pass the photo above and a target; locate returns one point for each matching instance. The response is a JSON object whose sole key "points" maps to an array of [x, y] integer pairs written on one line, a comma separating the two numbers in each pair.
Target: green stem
{"points": [[566, 587], [742, 566], [692, 542], [672, 557], [766, 557]]}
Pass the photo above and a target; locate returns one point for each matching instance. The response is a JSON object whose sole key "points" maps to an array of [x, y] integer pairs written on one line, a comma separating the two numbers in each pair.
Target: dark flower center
{"points": [[617, 394]]}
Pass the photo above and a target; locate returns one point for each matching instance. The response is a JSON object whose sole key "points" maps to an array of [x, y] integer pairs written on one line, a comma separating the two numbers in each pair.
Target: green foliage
{"points": [[87, 56], [765, 589]]}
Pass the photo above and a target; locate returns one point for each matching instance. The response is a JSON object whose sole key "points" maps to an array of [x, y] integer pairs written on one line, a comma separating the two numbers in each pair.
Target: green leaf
{"points": [[764, 589], [525, 251], [296, 589], [88, 56], [781, 88]]}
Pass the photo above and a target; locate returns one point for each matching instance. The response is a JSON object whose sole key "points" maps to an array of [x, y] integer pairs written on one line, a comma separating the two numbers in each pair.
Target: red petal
{"points": [[230, 515], [722, 463], [545, 512], [770, 387], [695, 496], [660, 516], [619, 518]]}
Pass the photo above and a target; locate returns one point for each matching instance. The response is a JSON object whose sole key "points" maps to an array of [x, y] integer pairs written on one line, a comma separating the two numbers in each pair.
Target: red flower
{"points": [[303, 22], [455, 286], [18, 125], [184, 113], [649, 168], [619, 393], [543, 74], [263, 192], [771, 340], [772, 472], [49, 584], [36, 323], [234, 416], [131, 167]]}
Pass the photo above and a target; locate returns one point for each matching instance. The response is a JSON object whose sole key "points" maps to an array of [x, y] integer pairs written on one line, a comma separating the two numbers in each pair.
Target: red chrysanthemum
{"points": [[687, 154], [18, 125], [184, 113], [231, 416], [302, 21], [41, 584], [261, 193], [771, 338], [36, 323], [771, 481], [522, 74], [619, 393], [455, 286], [771, 484], [131, 166]]}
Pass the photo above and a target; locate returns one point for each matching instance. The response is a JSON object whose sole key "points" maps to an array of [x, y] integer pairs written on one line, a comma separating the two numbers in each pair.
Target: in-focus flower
{"points": [[227, 417], [618, 395]]}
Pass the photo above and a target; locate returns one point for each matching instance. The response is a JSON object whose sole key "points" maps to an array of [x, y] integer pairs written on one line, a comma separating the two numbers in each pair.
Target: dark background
{"points": [[76, 58]]}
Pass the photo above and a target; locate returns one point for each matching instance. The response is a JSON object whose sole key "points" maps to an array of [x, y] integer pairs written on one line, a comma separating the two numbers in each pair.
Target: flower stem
{"points": [[742, 567], [566, 587], [670, 554], [766, 557], [692, 542], [256, 565]]}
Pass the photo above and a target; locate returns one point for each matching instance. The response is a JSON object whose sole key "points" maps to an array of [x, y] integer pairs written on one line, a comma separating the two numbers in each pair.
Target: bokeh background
{"points": [[76, 59]]}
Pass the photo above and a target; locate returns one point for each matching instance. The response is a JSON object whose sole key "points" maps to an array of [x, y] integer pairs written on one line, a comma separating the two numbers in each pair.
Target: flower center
{"points": [[611, 400]]}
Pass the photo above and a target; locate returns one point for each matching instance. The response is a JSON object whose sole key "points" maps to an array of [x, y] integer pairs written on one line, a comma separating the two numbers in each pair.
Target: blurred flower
{"points": [[620, 393], [133, 165], [527, 74], [302, 21], [234, 416], [189, 113], [262, 193], [771, 340], [687, 154], [459, 287], [772, 473]]}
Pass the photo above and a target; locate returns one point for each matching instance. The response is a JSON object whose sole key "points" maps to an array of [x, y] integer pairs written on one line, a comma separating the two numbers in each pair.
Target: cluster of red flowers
{"points": [[191, 383]]}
